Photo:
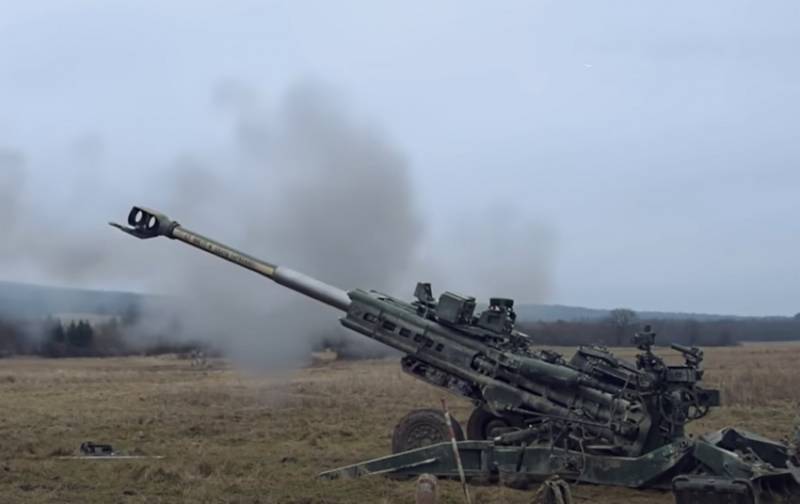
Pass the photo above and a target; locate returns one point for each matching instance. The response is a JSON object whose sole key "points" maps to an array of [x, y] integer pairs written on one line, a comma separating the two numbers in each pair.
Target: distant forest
{"points": [[49, 337], [619, 327], [112, 327]]}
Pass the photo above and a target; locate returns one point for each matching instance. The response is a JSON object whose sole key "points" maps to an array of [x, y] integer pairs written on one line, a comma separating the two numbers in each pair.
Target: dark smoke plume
{"points": [[303, 182], [308, 187]]}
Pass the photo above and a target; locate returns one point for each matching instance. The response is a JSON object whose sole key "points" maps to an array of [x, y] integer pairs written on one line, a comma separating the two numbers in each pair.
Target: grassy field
{"points": [[229, 436]]}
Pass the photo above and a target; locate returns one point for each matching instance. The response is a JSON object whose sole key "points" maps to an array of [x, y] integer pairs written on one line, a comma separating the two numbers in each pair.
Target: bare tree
{"points": [[622, 319]]}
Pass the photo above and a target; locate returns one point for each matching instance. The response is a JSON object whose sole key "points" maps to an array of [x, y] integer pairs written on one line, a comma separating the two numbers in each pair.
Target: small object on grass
{"points": [[92, 449], [103, 451], [554, 490], [427, 489]]}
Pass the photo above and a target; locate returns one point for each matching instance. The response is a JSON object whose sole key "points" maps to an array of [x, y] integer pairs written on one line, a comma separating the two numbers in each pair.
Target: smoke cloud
{"points": [[302, 182], [493, 251]]}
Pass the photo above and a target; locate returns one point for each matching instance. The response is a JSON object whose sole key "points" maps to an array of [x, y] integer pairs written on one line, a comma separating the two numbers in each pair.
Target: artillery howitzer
{"points": [[593, 418]]}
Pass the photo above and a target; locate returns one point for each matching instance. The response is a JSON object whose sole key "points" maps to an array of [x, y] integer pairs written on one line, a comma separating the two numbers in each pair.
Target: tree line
{"points": [[54, 338], [51, 337], [621, 324]]}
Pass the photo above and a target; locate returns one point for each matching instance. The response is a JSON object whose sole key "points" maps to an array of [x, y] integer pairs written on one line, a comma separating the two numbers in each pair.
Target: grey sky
{"points": [[655, 142]]}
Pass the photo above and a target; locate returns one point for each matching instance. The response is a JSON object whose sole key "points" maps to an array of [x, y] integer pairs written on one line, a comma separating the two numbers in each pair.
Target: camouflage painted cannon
{"points": [[594, 417]]}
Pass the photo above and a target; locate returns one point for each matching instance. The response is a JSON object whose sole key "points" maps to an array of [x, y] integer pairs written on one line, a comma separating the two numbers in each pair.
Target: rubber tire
{"points": [[433, 426], [477, 423]]}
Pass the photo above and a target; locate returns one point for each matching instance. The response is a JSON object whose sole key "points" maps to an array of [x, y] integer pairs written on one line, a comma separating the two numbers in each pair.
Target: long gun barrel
{"points": [[482, 357], [594, 417], [145, 223]]}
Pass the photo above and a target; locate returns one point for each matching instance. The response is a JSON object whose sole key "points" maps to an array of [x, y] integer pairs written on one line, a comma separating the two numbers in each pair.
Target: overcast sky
{"points": [[655, 143]]}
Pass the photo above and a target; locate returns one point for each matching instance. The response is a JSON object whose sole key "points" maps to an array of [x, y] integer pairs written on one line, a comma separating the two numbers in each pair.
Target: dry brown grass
{"points": [[236, 437]]}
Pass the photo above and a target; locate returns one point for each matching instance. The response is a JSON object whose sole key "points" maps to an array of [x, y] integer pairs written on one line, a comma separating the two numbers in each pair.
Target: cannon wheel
{"points": [[423, 427], [484, 425]]}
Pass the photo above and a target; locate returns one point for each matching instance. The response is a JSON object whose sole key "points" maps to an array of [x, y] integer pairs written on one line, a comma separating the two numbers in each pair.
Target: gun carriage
{"points": [[593, 417]]}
